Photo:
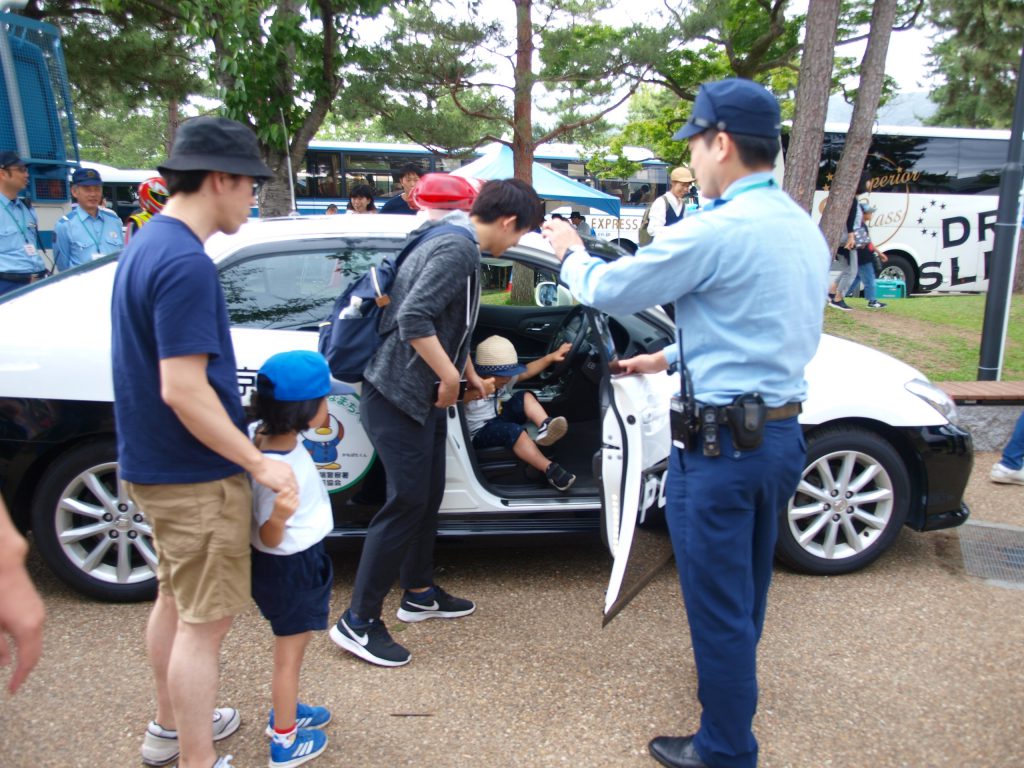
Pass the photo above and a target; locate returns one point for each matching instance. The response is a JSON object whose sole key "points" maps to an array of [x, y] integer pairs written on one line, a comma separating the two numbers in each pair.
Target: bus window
{"points": [[981, 162]]}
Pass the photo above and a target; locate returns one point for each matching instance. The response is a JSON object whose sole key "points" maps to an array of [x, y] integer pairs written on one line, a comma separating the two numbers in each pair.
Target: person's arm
{"points": [[285, 504], [657, 218], [653, 363], [543, 363], [433, 354], [675, 264], [61, 247], [187, 391], [476, 386], [21, 609]]}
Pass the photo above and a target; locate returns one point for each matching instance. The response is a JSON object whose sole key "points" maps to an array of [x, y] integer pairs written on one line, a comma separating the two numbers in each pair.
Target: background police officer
{"points": [[724, 271], [89, 230], [20, 261]]}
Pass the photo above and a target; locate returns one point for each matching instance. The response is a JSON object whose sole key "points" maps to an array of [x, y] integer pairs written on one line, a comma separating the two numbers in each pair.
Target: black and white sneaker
{"points": [[875, 304], [440, 605], [841, 305], [559, 477], [372, 643], [552, 430]]}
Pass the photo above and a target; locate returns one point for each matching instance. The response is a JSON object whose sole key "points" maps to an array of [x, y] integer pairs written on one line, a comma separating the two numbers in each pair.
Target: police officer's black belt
{"points": [[787, 411], [21, 277]]}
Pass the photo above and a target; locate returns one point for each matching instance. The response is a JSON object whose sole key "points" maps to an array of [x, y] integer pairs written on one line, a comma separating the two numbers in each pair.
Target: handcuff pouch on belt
{"points": [[694, 425]]}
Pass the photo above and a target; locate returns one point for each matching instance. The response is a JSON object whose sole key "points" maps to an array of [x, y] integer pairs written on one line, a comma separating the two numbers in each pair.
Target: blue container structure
{"points": [[36, 118]]}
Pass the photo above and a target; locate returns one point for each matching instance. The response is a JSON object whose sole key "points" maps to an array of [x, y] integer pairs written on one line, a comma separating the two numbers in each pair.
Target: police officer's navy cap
{"points": [[216, 144], [86, 177], [9, 158], [735, 106], [294, 377]]}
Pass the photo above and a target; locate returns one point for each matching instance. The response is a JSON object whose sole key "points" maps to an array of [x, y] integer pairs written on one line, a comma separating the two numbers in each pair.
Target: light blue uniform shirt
{"points": [[18, 227], [79, 237], [749, 278]]}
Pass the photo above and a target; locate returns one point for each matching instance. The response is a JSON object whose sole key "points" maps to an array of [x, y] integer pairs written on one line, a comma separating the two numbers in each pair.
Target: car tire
{"points": [[850, 505], [899, 267], [89, 532]]}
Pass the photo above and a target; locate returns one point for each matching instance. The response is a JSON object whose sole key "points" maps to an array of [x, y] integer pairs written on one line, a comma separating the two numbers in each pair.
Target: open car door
{"points": [[635, 444]]}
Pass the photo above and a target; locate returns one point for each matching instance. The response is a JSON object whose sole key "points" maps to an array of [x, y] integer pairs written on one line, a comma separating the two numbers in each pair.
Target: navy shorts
{"points": [[293, 592], [504, 429]]}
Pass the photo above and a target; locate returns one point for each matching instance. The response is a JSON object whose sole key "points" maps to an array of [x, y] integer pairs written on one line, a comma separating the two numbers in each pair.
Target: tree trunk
{"points": [[275, 197], [858, 138], [812, 92], [522, 131], [173, 121]]}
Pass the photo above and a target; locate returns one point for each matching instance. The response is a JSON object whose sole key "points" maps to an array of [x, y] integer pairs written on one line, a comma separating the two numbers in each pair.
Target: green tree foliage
{"points": [[124, 138], [977, 53], [478, 84]]}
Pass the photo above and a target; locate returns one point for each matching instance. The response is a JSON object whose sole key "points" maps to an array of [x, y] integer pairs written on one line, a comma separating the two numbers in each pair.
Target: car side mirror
{"points": [[552, 295]]}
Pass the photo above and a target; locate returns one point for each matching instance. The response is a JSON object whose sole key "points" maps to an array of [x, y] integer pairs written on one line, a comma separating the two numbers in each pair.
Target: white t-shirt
{"points": [[479, 412], [313, 519]]}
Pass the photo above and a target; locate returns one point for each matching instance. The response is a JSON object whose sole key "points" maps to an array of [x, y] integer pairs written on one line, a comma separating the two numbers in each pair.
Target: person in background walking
{"points": [[1010, 468]]}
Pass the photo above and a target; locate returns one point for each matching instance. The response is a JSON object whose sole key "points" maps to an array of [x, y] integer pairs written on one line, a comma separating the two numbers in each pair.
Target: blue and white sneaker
{"points": [[305, 717], [304, 747], [440, 605]]}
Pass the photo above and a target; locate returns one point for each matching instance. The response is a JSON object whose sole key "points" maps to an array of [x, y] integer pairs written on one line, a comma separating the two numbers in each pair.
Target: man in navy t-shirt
{"points": [[181, 445], [408, 176]]}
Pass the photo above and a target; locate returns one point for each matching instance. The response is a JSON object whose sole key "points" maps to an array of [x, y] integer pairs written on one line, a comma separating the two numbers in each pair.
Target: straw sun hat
{"points": [[495, 356]]}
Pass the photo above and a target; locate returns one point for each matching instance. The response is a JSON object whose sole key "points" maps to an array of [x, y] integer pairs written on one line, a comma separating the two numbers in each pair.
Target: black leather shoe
{"points": [[676, 752]]}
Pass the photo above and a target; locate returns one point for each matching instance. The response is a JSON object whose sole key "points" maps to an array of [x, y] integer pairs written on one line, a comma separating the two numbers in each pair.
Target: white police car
{"points": [[883, 447]]}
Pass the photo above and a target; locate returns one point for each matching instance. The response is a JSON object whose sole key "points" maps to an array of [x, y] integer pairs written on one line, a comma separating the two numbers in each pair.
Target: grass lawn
{"points": [[938, 335]]}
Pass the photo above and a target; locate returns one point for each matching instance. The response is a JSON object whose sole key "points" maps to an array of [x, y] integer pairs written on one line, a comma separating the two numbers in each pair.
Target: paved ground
{"points": [[911, 663]]}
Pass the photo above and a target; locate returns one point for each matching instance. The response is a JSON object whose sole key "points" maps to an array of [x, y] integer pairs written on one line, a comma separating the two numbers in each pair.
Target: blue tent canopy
{"points": [[496, 163]]}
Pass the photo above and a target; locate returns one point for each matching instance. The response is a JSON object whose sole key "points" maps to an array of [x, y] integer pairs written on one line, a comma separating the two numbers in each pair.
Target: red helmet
{"points": [[153, 194], [444, 191]]}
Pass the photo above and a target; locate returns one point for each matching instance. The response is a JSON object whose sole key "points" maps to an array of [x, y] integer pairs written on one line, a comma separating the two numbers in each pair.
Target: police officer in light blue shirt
{"points": [[20, 262], [748, 277], [89, 230]]}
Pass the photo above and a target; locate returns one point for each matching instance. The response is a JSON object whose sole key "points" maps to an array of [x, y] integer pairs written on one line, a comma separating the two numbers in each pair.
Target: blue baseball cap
{"points": [[9, 159], [86, 177], [294, 376], [735, 106]]}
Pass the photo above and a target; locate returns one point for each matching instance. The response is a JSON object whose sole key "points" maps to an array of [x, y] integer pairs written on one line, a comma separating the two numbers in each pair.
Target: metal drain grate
{"points": [[994, 552]]}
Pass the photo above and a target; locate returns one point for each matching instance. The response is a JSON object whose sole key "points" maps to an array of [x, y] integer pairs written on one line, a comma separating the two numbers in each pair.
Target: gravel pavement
{"points": [[909, 663]]}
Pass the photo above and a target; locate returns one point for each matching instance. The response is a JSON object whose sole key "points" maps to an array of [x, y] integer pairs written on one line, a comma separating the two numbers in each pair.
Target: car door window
{"points": [[293, 289]]}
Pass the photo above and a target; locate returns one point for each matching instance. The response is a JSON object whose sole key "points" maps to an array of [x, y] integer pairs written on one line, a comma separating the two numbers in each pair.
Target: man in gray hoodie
{"points": [[410, 381]]}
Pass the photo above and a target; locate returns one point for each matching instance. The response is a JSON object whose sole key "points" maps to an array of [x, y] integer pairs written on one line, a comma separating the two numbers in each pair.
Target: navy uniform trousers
{"points": [[722, 515], [400, 538]]}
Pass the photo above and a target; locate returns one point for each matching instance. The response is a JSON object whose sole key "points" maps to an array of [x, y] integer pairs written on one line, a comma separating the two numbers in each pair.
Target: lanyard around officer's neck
{"points": [[723, 200]]}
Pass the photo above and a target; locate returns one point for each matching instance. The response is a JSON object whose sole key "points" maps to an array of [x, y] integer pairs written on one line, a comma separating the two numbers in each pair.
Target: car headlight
{"points": [[934, 396]]}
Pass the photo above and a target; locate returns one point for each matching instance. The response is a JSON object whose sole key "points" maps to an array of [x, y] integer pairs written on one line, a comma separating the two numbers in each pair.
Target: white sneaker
{"points": [[552, 430], [160, 746], [1003, 474]]}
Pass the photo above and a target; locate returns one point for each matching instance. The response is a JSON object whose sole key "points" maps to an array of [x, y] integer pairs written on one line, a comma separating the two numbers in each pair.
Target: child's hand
{"points": [[559, 354], [285, 504]]}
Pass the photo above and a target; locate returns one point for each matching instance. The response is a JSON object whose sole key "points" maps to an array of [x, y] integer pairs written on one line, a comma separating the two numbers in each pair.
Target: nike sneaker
{"points": [[370, 642], [439, 605]]}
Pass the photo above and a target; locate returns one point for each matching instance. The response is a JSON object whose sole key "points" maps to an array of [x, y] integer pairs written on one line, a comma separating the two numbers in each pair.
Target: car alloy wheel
{"points": [[90, 532], [849, 506]]}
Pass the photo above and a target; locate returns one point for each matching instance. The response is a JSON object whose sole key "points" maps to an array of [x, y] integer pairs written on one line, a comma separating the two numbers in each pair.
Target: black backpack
{"points": [[350, 335]]}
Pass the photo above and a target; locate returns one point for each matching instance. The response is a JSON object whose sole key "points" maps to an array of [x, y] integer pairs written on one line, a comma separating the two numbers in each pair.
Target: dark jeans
{"points": [[400, 538], [722, 515], [505, 428]]}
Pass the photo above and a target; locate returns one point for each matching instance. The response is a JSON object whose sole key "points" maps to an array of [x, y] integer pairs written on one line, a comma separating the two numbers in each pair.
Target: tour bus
{"points": [[935, 191], [120, 187], [331, 168]]}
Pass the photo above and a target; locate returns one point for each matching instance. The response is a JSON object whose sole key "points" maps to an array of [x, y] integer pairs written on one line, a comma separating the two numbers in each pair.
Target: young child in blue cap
{"points": [[291, 573]]}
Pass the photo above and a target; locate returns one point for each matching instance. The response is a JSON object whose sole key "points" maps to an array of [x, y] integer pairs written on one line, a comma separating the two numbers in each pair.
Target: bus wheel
{"points": [[899, 267]]}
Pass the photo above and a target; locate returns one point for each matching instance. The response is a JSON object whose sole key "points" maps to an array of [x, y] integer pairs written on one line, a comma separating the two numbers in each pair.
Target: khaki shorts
{"points": [[201, 532]]}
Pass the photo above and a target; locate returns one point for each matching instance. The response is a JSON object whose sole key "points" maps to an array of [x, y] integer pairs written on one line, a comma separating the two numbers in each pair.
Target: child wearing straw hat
{"points": [[499, 419]]}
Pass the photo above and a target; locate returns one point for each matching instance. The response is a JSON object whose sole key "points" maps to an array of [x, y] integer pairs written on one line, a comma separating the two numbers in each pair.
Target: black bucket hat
{"points": [[216, 144]]}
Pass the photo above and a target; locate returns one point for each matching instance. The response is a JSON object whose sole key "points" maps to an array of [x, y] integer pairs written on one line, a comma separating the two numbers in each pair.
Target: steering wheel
{"points": [[572, 329]]}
